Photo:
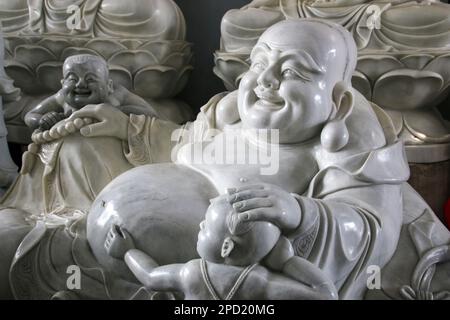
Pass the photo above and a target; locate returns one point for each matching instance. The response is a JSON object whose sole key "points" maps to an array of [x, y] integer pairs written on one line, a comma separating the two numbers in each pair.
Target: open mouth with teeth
{"points": [[82, 93]]}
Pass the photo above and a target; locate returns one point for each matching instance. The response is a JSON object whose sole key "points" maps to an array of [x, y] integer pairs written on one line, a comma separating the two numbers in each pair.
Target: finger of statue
{"points": [[70, 127], [248, 187], [88, 121], [54, 133], [247, 194], [254, 203], [96, 129], [408, 293], [89, 111], [33, 148], [38, 138], [61, 130], [46, 136], [78, 123], [260, 214]]}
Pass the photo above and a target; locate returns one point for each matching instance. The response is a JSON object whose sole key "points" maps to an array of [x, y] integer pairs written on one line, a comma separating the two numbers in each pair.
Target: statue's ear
{"points": [[343, 101], [110, 86], [335, 134], [227, 247]]}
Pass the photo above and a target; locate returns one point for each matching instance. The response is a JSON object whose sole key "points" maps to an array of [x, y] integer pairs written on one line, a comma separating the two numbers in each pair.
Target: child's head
{"points": [[223, 238], [86, 80]]}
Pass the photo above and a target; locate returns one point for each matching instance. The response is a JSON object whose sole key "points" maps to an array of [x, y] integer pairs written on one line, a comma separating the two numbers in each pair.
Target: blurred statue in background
{"points": [[8, 170]]}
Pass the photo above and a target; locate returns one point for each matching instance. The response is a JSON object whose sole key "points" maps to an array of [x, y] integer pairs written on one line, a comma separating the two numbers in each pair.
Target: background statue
{"points": [[8, 169], [143, 42]]}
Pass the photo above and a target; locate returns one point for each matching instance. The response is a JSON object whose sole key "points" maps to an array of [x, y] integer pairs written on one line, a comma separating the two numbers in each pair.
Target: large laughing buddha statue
{"points": [[335, 193]]}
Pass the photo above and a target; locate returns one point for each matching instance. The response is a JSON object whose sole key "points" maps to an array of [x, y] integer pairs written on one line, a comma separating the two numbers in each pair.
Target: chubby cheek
{"points": [[246, 86], [248, 82], [307, 99]]}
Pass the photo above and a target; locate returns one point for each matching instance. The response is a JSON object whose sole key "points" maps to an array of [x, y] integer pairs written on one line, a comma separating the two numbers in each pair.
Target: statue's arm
{"points": [[349, 230], [316, 283], [51, 104], [129, 102], [146, 270]]}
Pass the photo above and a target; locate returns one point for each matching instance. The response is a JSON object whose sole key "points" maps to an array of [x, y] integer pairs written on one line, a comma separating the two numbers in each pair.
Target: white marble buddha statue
{"points": [[382, 24], [158, 19]]}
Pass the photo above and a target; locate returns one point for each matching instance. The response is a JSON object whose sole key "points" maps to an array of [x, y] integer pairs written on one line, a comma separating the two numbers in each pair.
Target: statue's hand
{"points": [[266, 202], [111, 122], [48, 120], [118, 242]]}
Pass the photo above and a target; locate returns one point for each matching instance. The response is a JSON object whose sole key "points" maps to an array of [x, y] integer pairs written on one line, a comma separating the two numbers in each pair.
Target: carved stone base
{"points": [[432, 181], [428, 153]]}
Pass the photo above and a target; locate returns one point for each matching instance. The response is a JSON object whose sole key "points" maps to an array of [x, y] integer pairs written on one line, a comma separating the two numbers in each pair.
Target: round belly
{"points": [[160, 205]]}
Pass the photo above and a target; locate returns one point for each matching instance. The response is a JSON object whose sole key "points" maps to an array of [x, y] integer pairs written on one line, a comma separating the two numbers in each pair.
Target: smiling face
{"points": [[86, 81], [291, 79]]}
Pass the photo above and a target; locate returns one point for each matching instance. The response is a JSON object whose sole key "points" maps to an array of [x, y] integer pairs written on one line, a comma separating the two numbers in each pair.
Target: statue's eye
{"points": [[258, 66], [294, 75], [90, 80], [290, 74]]}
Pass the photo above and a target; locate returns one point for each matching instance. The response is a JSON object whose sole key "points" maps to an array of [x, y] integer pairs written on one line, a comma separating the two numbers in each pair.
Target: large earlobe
{"points": [[335, 135]]}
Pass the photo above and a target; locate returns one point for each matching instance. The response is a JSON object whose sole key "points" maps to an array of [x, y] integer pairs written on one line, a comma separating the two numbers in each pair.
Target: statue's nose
{"points": [[268, 80], [81, 83]]}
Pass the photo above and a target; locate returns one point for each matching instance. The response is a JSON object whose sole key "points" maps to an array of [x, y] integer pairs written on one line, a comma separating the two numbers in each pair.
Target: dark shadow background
{"points": [[203, 19]]}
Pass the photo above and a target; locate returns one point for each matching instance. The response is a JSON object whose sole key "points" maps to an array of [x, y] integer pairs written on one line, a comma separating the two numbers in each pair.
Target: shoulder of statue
{"points": [[216, 112]]}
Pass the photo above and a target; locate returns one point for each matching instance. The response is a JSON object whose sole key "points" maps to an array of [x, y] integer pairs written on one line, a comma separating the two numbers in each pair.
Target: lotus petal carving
{"points": [[230, 69], [175, 60], [155, 82], [441, 65], [133, 60], [32, 56], [427, 125], [121, 76], [183, 78], [406, 89], [21, 74], [105, 47], [50, 75], [416, 61], [362, 84], [373, 66], [401, 82], [56, 46]]}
